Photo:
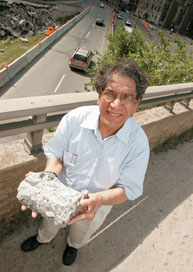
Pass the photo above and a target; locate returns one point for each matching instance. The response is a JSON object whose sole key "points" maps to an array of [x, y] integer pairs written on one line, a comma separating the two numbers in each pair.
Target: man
{"points": [[101, 149]]}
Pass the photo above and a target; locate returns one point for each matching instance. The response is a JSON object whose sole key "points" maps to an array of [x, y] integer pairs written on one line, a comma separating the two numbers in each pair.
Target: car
{"points": [[151, 27], [129, 29], [100, 21], [102, 5], [128, 23], [119, 16], [81, 58]]}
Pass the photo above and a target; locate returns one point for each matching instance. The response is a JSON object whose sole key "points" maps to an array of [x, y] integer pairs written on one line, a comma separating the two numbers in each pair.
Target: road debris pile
{"points": [[19, 18], [45, 193]]}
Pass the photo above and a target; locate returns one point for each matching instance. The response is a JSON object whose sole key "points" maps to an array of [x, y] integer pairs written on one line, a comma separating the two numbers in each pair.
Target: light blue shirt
{"points": [[97, 164]]}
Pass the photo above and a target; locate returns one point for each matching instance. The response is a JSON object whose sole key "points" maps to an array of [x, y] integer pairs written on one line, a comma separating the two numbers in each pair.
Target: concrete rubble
{"points": [[44, 193], [19, 18]]}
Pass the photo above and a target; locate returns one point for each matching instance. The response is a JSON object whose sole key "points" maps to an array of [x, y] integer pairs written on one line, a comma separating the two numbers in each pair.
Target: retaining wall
{"points": [[63, 10]]}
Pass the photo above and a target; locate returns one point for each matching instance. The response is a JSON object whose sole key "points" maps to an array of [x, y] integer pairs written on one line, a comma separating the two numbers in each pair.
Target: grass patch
{"points": [[62, 21], [13, 49], [174, 141], [53, 129], [10, 50]]}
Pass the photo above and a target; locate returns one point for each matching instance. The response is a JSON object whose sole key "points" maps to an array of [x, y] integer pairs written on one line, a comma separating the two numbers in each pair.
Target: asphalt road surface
{"points": [[50, 74]]}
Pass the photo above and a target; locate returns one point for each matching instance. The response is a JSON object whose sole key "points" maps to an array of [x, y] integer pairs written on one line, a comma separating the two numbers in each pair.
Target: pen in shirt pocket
{"points": [[73, 158]]}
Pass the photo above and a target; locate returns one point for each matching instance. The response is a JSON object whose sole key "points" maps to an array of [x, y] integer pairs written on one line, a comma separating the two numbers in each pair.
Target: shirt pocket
{"points": [[75, 164], [75, 171], [70, 159]]}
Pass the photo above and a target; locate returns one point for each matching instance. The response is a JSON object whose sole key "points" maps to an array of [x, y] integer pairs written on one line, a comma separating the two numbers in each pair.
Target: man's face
{"points": [[117, 102]]}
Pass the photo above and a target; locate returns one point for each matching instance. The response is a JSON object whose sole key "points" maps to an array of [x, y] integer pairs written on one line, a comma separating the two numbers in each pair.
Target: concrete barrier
{"points": [[16, 66], [3, 76], [34, 52], [21, 62]]}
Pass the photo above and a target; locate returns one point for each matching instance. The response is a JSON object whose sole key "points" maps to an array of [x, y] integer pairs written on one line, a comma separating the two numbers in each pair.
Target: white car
{"points": [[81, 58], [102, 5], [119, 16], [129, 29], [152, 27]]}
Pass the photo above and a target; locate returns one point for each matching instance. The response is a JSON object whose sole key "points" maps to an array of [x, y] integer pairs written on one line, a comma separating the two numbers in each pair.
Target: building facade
{"points": [[175, 14]]}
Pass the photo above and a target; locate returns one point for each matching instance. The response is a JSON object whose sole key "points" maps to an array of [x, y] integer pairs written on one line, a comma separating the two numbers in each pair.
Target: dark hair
{"points": [[125, 67]]}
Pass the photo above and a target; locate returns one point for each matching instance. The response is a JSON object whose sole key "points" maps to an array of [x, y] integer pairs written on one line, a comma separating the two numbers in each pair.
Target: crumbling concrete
{"points": [[19, 18], [44, 193]]}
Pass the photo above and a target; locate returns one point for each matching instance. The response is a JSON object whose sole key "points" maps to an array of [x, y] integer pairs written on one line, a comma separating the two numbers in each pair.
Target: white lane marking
{"points": [[87, 34], [59, 83]]}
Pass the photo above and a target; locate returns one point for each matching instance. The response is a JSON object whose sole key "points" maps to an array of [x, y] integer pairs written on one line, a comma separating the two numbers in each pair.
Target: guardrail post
{"points": [[186, 102], [33, 140], [170, 106]]}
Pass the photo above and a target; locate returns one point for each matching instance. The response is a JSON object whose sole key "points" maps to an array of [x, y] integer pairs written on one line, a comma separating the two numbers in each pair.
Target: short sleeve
{"points": [[59, 143], [134, 170]]}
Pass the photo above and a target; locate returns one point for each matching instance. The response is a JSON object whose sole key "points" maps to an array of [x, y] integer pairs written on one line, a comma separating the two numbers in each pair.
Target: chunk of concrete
{"points": [[44, 193]]}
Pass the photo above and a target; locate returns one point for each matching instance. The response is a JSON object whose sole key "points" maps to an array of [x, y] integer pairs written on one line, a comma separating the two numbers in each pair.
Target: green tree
{"points": [[120, 45], [166, 64]]}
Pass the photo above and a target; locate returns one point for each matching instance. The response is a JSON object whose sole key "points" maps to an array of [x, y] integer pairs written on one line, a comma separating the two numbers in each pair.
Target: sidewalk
{"points": [[152, 234]]}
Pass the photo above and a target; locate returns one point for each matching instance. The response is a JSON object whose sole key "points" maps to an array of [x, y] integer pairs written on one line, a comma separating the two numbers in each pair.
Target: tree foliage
{"points": [[168, 63]]}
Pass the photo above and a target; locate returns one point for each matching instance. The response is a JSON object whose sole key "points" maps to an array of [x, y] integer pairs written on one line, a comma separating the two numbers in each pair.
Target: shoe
{"points": [[69, 255], [30, 244]]}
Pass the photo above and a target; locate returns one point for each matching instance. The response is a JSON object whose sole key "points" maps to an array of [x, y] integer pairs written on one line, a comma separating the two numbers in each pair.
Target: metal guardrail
{"points": [[168, 94], [34, 114]]}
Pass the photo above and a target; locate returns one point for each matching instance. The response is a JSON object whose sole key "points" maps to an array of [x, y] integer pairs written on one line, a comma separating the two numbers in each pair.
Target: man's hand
{"points": [[90, 207], [113, 196]]}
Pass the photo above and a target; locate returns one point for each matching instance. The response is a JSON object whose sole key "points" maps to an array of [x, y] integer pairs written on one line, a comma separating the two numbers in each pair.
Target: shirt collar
{"points": [[91, 122], [124, 132]]}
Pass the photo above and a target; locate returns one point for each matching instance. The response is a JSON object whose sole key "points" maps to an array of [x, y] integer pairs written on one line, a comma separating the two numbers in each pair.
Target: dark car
{"points": [[100, 21]]}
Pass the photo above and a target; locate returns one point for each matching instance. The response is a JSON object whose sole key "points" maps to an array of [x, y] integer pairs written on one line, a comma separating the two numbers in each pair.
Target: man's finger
{"points": [[29, 173], [77, 218], [34, 214], [80, 217], [85, 202], [23, 208]]}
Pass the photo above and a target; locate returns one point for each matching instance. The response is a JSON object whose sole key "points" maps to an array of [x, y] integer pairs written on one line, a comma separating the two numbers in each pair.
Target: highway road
{"points": [[136, 23], [50, 74], [125, 17]]}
